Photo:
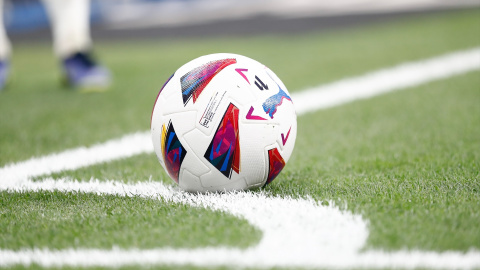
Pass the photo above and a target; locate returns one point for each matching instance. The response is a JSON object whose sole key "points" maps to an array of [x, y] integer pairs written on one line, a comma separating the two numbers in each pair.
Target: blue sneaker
{"points": [[4, 72], [84, 74]]}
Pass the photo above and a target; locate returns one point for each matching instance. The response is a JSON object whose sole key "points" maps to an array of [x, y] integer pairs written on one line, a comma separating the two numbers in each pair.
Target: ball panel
{"points": [[254, 138], [159, 92], [275, 78], [189, 181], [196, 142], [210, 182], [156, 128], [184, 122], [171, 86]]}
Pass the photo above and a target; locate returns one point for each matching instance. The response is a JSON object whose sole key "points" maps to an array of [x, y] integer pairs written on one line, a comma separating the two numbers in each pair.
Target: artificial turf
{"points": [[59, 220], [407, 161]]}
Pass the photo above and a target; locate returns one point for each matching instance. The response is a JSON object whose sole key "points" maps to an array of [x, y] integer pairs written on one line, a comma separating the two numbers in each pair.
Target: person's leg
{"points": [[5, 47], [70, 26], [5, 50], [72, 43]]}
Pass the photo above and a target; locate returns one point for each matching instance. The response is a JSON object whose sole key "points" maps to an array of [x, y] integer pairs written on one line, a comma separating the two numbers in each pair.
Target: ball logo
{"points": [[195, 81], [172, 150], [285, 138], [241, 72], [272, 103], [251, 116], [224, 150], [260, 84]]}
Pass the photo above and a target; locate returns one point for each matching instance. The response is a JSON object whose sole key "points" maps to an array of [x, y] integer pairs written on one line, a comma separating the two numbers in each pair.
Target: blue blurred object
{"points": [[21, 15], [30, 15], [4, 71], [84, 74]]}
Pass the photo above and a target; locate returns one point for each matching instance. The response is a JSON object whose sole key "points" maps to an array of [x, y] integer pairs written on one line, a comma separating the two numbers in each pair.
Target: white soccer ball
{"points": [[223, 122]]}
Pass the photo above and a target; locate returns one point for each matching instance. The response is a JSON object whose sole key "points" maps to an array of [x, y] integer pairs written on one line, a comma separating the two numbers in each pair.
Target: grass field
{"points": [[408, 162]]}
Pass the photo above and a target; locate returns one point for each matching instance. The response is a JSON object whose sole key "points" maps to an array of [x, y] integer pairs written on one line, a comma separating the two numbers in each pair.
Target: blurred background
{"points": [[27, 19]]}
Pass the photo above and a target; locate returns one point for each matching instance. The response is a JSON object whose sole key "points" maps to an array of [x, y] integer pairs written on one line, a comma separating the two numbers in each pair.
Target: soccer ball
{"points": [[223, 122]]}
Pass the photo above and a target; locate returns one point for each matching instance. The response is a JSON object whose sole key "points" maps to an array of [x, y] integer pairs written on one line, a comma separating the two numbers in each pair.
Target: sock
{"points": [[5, 46], [70, 20]]}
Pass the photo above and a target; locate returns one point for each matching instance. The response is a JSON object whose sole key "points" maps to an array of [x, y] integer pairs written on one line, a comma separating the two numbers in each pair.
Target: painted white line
{"points": [[296, 233], [386, 80], [126, 146], [324, 96]]}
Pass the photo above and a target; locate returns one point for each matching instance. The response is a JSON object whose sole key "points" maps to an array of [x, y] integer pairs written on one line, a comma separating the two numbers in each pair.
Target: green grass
{"points": [[409, 161], [139, 168], [60, 220]]}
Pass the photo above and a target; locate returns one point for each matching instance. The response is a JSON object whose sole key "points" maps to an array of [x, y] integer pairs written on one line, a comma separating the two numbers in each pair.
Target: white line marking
{"points": [[126, 146], [343, 91], [386, 80], [326, 237], [296, 233]]}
